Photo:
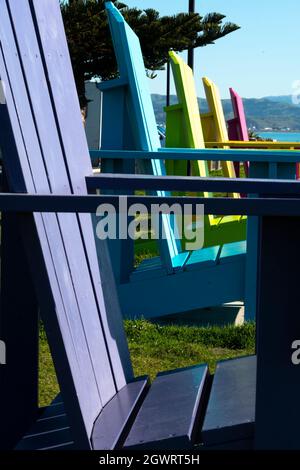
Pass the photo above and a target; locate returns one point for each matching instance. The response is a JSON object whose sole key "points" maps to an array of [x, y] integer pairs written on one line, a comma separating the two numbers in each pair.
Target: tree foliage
{"points": [[91, 47]]}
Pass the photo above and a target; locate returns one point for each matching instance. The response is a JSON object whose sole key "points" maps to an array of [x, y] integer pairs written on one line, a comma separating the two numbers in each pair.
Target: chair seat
{"points": [[230, 413], [166, 415], [231, 250], [169, 416], [195, 260]]}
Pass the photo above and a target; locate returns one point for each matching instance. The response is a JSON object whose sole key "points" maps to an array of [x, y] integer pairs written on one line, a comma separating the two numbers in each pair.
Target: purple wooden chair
{"points": [[101, 405], [237, 127]]}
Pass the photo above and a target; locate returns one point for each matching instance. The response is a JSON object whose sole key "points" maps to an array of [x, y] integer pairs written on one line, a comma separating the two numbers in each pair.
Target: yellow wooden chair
{"points": [[184, 130]]}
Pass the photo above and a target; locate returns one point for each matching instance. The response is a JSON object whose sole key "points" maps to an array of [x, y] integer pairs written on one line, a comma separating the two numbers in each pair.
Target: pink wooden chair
{"points": [[237, 127]]}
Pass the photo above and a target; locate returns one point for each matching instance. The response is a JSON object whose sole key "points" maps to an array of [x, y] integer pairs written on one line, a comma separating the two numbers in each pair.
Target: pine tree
{"points": [[91, 47]]}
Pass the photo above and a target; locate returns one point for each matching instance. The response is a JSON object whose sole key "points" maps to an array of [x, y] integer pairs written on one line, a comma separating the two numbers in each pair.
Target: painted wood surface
{"points": [[277, 396], [237, 127], [121, 251], [28, 203], [183, 119], [230, 412], [19, 324], [195, 183], [203, 282], [190, 123], [114, 423], [239, 115], [30, 111], [283, 156], [169, 415], [129, 44], [219, 124], [261, 170], [16, 160], [46, 240], [75, 152], [140, 111]]}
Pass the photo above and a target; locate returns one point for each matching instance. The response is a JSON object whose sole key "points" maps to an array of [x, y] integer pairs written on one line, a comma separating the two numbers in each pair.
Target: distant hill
{"points": [[287, 99], [271, 112]]}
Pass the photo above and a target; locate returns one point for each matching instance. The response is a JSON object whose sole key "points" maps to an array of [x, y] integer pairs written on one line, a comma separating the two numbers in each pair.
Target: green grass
{"points": [[156, 348]]}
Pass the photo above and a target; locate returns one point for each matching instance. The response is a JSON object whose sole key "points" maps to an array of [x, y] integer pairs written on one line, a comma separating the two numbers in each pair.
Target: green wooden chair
{"points": [[184, 130]]}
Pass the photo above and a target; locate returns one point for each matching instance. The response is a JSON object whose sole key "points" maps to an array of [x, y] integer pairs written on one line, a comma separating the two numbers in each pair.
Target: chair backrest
{"points": [[219, 124], [140, 113], [215, 107], [45, 151], [239, 116], [190, 123]]}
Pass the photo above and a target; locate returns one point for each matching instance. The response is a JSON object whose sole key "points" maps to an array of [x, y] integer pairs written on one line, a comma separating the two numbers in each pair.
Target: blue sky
{"points": [[261, 59]]}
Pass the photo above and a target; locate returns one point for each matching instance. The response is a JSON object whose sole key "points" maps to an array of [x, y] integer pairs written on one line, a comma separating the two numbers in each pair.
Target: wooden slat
{"points": [[215, 108], [235, 155], [44, 425], [231, 408], [203, 258], [116, 418], [27, 203], [187, 97], [239, 114], [54, 439], [50, 431], [67, 112], [219, 124], [192, 183], [53, 411], [231, 250], [169, 415]]}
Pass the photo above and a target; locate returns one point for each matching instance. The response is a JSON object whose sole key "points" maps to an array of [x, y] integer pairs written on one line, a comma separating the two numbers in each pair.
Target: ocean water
{"points": [[281, 136]]}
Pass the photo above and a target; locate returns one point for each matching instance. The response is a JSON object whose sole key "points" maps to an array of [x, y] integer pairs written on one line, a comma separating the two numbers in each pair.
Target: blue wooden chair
{"points": [[216, 272], [101, 405], [127, 108]]}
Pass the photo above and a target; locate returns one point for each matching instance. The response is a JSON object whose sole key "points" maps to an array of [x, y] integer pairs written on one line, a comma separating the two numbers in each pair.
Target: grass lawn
{"points": [[155, 348]]}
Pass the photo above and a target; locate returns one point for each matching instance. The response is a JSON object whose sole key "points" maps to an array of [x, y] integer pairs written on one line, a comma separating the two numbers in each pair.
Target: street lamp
{"points": [[190, 57], [191, 51]]}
